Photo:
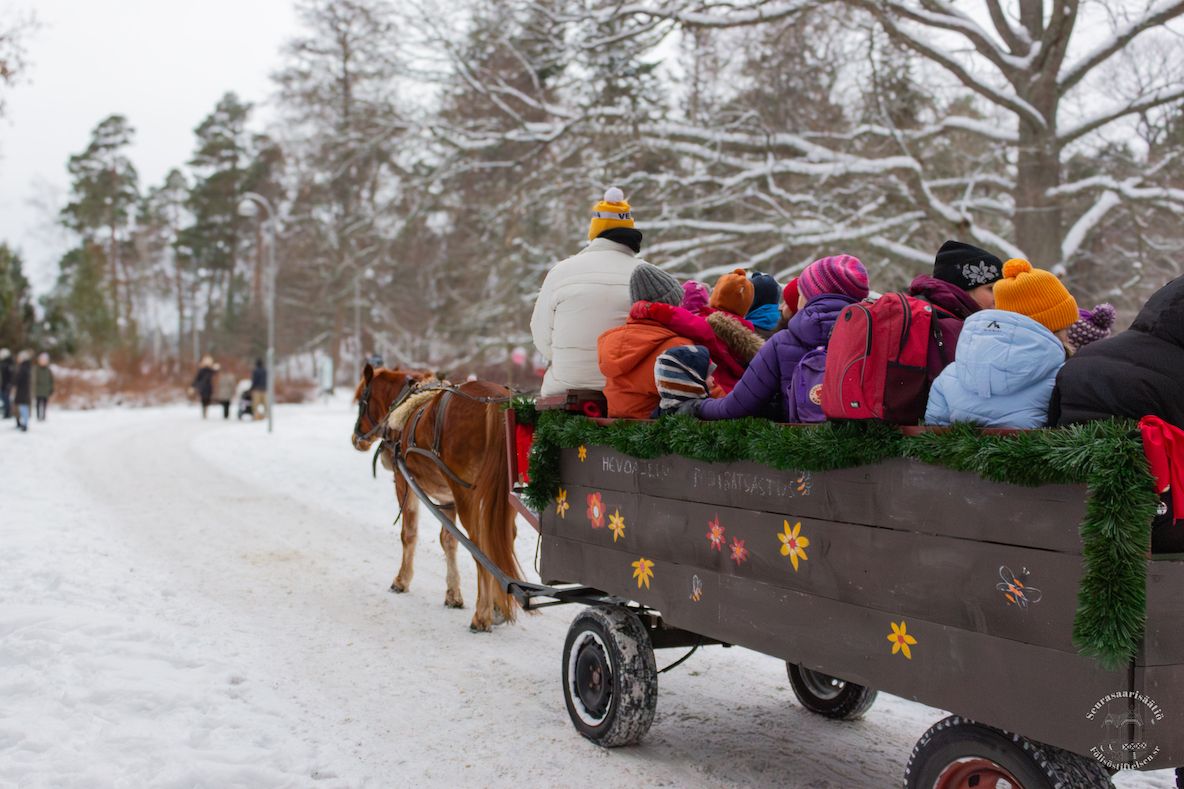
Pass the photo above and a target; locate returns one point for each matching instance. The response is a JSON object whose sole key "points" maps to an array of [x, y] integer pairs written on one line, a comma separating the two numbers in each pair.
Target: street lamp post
{"points": [[247, 207]]}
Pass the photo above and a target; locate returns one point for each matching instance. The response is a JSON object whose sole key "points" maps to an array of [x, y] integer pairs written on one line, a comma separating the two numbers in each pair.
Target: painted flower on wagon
{"points": [[739, 552], [715, 534], [616, 523], [596, 510], [643, 571], [794, 544], [901, 640], [582, 453], [562, 505]]}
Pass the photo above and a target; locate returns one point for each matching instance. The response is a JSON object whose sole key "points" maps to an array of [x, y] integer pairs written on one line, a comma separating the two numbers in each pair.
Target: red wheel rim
{"points": [[975, 772]]}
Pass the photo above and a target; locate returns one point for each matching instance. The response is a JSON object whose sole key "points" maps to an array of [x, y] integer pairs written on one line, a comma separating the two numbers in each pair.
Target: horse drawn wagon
{"points": [[1006, 578], [1034, 612]]}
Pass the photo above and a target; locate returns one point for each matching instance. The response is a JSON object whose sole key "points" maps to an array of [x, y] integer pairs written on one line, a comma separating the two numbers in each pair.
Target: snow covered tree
{"points": [[337, 94]]}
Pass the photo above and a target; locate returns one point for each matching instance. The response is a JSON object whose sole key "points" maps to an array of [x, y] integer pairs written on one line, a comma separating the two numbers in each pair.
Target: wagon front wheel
{"points": [[610, 679], [829, 696], [958, 754]]}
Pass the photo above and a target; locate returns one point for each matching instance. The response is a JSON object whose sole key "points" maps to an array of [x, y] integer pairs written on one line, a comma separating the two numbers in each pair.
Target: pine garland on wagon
{"points": [[1105, 456]]}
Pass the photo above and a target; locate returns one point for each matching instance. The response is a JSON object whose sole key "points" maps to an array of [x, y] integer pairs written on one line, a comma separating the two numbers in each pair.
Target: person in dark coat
{"points": [[1137, 373], [826, 288], [42, 385], [23, 389], [6, 375], [259, 390], [962, 283], [203, 383]]}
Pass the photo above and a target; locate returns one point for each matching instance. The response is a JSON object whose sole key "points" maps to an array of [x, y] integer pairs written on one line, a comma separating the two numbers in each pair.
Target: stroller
{"points": [[244, 399]]}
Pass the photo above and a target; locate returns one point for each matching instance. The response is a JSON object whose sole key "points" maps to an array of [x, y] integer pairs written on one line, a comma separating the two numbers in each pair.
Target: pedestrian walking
{"points": [[7, 371], [259, 390], [203, 383], [23, 389], [43, 385]]}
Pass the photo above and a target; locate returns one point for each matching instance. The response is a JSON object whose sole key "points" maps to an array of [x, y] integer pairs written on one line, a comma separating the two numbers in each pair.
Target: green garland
{"points": [[1106, 456]]}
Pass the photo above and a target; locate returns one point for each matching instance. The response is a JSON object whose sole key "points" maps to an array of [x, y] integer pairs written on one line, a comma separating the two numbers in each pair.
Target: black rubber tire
{"points": [[620, 711], [846, 702], [1034, 765], [1180, 778]]}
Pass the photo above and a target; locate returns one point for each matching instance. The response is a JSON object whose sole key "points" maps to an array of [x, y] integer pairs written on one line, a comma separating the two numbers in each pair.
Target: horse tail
{"points": [[496, 516]]}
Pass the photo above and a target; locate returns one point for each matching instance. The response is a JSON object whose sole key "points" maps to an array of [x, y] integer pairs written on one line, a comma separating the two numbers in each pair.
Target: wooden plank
{"points": [[898, 493], [1163, 643], [1162, 689], [1040, 693], [878, 568]]}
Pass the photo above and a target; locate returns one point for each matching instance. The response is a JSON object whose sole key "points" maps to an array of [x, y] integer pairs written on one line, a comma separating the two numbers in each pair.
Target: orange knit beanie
{"points": [[1036, 293], [734, 293]]}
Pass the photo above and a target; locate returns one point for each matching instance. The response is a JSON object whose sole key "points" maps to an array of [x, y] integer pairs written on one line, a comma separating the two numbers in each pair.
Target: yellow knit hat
{"points": [[612, 211], [1037, 294]]}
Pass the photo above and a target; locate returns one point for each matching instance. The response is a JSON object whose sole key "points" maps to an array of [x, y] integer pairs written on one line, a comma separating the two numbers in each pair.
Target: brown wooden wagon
{"points": [[930, 584]]}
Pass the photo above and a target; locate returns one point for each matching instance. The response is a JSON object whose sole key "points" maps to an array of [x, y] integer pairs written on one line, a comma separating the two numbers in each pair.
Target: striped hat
{"points": [[840, 274], [612, 211], [681, 374]]}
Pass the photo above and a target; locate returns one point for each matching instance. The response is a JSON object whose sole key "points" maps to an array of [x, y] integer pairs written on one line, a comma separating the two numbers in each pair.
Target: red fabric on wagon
{"points": [[1164, 446]]}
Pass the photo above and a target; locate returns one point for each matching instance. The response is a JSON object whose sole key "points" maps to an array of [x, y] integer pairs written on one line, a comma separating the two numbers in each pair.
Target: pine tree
{"points": [[104, 191], [212, 241], [16, 306]]}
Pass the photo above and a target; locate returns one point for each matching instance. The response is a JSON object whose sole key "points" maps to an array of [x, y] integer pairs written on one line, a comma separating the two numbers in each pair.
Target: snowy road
{"points": [[188, 603]]}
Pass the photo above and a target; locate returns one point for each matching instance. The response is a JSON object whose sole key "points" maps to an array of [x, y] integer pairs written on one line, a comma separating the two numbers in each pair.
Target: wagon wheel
{"points": [[829, 696], [958, 754], [610, 679]]}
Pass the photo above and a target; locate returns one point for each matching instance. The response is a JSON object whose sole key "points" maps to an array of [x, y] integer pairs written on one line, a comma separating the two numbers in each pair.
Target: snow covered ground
{"points": [[198, 604]]}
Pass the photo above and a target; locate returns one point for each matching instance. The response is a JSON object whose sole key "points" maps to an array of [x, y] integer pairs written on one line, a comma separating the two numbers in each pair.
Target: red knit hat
{"points": [[840, 274], [790, 295]]}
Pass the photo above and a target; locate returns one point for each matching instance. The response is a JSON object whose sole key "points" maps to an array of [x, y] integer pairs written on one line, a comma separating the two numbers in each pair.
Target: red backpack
{"points": [[876, 360]]}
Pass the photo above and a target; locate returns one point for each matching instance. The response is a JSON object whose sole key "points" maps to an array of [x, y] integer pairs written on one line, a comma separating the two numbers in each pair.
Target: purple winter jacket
{"points": [[958, 306], [771, 371]]}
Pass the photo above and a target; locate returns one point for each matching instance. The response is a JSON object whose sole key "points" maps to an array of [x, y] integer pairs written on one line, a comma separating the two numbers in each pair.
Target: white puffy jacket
{"points": [[581, 297]]}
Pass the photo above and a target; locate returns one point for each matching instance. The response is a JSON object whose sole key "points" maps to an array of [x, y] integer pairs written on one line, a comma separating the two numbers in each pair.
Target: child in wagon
{"points": [[1008, 358], [767, 388]]}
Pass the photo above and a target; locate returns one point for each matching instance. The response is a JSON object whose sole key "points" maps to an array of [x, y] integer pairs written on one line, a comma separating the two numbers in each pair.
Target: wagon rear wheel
{"points": [[959, 754], [829, 696], [610, 679]]}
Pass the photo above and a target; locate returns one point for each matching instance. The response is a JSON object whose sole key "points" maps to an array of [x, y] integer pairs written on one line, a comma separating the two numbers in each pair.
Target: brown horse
{"points": [[469, 436]]}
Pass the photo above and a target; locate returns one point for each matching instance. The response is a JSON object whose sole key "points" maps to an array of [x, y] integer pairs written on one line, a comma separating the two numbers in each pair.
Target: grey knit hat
{"points": [[650, 283]]}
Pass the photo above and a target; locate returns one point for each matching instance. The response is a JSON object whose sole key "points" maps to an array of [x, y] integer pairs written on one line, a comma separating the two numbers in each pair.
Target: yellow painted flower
{"points": [[794, 543], [616, 524], [562, 505], [643, 571], [582, 453], [901, 640]]}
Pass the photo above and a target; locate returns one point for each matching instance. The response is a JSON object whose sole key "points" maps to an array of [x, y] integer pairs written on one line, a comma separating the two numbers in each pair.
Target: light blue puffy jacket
{"points": [[1003, 373]]}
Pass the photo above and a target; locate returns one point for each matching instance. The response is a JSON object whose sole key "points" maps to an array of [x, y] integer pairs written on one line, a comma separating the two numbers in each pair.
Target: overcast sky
{"points": [[162, 63]]}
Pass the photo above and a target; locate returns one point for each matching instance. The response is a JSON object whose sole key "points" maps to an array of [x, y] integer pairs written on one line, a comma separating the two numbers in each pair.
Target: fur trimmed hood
{"points": [[741, 341]]}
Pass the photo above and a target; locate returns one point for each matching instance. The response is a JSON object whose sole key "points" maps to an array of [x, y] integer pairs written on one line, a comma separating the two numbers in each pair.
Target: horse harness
{"points": [[398, 448]]}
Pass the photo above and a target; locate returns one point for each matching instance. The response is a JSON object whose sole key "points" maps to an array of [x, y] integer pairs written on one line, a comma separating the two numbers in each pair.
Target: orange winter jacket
{"points": [[627, 356]]}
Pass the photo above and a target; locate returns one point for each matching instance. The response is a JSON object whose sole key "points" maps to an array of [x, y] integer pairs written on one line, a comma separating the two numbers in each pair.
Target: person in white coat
{"points": [[586, 295]]}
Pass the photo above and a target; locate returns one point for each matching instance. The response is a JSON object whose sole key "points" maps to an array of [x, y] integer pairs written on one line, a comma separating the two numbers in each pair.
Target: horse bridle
{"points": [[380, 425]]}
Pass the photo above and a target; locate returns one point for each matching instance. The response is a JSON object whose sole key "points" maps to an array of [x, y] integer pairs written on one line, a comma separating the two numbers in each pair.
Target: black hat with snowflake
{"points": [[966, 266]]}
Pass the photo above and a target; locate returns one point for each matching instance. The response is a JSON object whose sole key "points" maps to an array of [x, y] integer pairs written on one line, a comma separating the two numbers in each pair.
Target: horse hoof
{"points": [[477, 628], [398, 588], [453, 602]]}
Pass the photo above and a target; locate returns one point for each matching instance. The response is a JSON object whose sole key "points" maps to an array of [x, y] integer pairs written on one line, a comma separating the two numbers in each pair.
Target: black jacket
{"points": [[259, 378], [1133, 374], [203, 383], [6, 369], [24, 382]]}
